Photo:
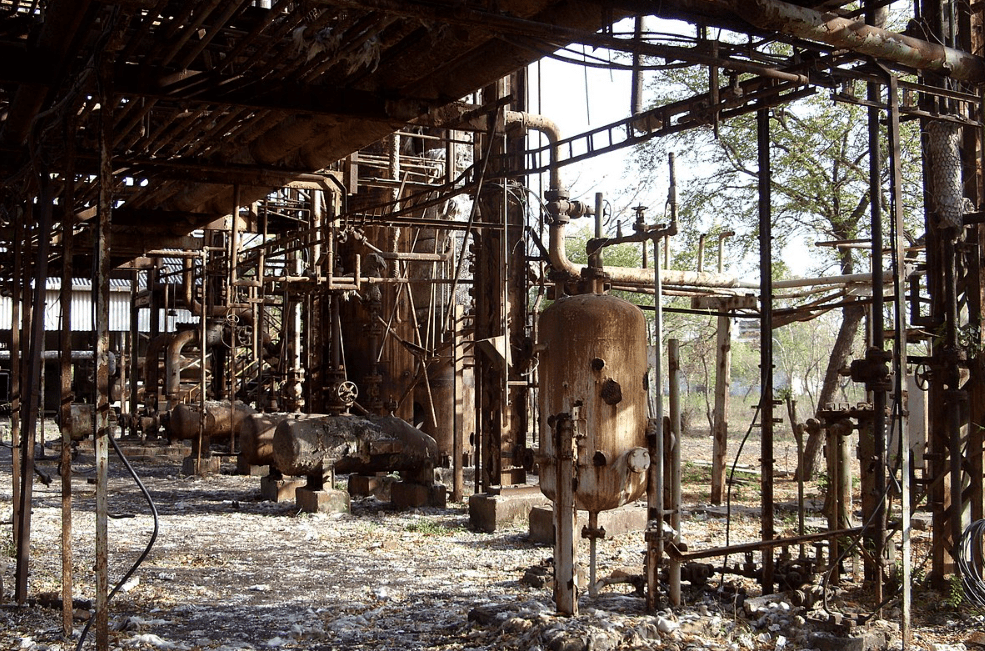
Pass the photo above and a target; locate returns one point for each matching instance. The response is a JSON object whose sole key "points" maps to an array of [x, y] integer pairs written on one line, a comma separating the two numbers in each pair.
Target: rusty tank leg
{"points": [[565, 545]]}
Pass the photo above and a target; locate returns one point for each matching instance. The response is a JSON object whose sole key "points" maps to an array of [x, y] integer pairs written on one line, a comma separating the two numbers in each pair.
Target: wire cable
{"points": [[969, 561], [143, 555], [728, 494]]}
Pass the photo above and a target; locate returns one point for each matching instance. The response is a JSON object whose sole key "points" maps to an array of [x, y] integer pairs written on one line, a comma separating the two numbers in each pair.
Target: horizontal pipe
{"points": [[856, 36], [673, 552], [640, 277]]}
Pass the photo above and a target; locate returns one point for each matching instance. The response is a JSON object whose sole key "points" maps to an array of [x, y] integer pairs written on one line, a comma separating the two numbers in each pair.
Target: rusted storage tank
{"points": [[354, 444], [593, 366], [256, 441], [220, 418]]}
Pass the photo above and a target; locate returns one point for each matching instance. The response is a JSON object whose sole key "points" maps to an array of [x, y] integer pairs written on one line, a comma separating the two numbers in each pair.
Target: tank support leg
{"points": [[565, 590]]}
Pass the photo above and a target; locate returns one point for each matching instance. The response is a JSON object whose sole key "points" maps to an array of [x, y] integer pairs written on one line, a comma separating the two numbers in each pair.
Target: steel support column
{"points": [[766, 340], [66, 398], [30, 404], [100, 287]]}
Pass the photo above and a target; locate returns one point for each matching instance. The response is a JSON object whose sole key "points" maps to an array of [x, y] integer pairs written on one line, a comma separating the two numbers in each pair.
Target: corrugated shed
{"points": [[82, 309]]}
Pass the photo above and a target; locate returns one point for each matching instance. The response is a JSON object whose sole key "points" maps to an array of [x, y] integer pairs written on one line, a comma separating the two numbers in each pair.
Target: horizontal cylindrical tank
{"points": [[354, 444], [82, 421], [593, 367], [220, 418], [256, 441]]}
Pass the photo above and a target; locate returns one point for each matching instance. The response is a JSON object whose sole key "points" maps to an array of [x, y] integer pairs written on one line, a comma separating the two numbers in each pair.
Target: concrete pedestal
{"points": [[488, 512], [364, 485], [406, 495], [207, 466], [323, 501], [625, 519], [244, 467], [279, 490]]}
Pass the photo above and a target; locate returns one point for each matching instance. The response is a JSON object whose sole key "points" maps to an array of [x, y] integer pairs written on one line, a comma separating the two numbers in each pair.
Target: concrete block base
{"points": [[408, 495], [488, 513], [323, 501], [191, 465], [244, 467], [363, 485], [868, 641], [625, 519], [279, 490]]}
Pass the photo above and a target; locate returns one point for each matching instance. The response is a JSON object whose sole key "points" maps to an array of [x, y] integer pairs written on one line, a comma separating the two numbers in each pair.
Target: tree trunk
{"points": [[851, 318]]}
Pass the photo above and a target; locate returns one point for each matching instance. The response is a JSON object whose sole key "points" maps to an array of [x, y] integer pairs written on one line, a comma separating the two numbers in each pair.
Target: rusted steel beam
{"points": [[766, 339], [856, 36], [101, 291], [684, 556], [30, 404], [68, 223], [61, 23]]}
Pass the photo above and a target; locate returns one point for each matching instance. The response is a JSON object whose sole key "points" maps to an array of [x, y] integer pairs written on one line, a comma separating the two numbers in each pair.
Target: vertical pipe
{"points": [[636, 99], [68, 250], [655, 475], [766, 338], [134, 349], [30, 404], [899, 326], [723, 373], [101, 290], [15, 376], [878, 333], [233, 248], [593, 543], [203, 368], [674, 371], [458, 431], [565, 545]]}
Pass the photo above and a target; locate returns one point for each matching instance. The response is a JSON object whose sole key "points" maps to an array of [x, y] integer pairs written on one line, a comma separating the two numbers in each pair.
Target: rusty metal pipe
{"points": [[172, 361], [152, 370], [856, 36], [640, 277]]}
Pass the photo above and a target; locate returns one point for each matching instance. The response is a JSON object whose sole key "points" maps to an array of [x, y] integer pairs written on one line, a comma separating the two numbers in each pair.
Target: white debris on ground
{"points": [[230, 572]]}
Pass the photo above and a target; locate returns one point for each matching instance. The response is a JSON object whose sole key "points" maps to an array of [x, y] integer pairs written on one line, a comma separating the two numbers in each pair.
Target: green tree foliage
{"points": [[820, 186]]}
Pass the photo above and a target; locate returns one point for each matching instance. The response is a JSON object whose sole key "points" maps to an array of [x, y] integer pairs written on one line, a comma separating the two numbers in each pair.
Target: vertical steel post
{"points": [[899, 326], [723, 379], [876, 465], [766, 339], [134, 350], [68, 251], [458, 433], [101, 291], [565, 544], [674, 382], [30, 404], [15, 376]]}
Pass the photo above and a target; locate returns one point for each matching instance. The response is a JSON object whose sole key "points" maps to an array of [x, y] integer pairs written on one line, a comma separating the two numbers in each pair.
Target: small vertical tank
{"points": [[593, 367]]}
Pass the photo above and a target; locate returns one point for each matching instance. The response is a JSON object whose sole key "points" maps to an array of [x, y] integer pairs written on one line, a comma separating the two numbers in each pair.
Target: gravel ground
{"points": [[229, 571]]}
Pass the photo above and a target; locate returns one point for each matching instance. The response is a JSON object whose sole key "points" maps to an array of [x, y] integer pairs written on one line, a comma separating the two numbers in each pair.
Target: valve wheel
{"points": [[922, 375], [347, 392]]}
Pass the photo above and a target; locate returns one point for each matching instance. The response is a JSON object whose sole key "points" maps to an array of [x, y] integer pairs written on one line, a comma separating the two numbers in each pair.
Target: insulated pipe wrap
{"points": [[943, 149]]}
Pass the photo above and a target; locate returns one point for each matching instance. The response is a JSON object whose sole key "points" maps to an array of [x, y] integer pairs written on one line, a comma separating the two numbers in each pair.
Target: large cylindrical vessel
{"points": [[221, 417], [593, 367]]}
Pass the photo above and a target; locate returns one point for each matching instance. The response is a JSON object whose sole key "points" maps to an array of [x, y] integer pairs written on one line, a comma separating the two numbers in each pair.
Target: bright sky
{"points": [[558, 91]]}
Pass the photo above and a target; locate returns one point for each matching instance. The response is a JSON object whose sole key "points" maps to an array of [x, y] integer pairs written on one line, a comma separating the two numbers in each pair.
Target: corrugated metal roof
{"points": [[81, 310]]}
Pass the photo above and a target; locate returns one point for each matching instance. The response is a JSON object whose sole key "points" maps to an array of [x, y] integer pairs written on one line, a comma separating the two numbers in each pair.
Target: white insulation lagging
{"points": [[943, 150]]}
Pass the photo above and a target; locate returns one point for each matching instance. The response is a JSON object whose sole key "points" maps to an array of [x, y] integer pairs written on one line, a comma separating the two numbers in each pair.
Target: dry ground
{"points": [[232, 572]]}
